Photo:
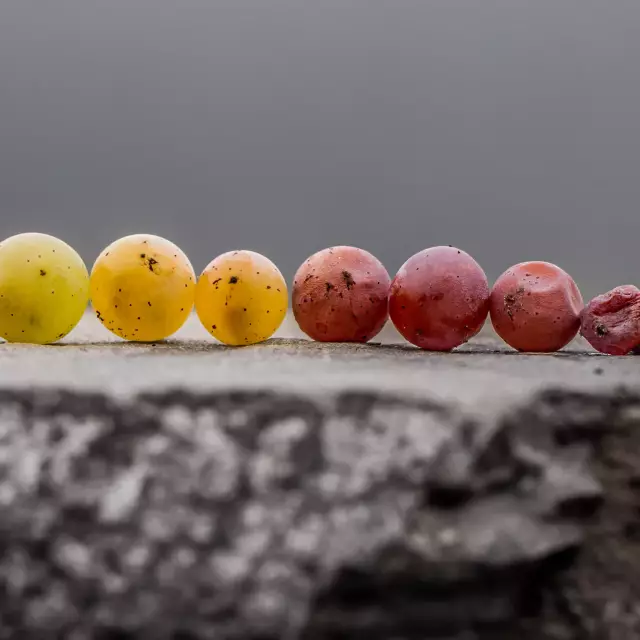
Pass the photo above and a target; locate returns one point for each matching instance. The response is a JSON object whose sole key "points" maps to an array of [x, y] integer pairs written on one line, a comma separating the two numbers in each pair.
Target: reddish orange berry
{"points": [[536, 306], [341, 294]]}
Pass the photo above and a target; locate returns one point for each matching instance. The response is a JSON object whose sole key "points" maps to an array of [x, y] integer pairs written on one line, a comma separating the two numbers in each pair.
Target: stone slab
{"points": [[300, 491]]}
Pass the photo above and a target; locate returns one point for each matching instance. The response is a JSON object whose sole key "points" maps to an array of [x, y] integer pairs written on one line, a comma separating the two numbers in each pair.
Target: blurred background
{"points": [[509, 128]]}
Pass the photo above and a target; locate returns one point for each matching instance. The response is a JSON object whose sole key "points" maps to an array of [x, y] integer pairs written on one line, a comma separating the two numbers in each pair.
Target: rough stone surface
{"points": [[353, 492]]}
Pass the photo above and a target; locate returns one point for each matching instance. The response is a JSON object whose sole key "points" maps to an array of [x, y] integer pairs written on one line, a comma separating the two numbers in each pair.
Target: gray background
{"points": [[509, 128]]}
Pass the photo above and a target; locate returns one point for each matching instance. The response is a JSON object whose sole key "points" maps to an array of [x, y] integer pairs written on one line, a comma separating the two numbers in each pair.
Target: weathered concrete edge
{"points": [[607, 421]]}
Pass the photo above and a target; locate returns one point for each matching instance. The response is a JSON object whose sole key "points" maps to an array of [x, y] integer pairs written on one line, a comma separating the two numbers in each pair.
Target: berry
{"points": [[341, 294], [142, 288], [44, 288], [536, 306], [611, 322], [241, 298], [439, 298]]}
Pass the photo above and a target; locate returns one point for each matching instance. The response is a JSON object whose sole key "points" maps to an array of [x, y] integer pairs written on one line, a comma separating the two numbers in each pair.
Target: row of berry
{"points": [[440, 298], [143, 288]]}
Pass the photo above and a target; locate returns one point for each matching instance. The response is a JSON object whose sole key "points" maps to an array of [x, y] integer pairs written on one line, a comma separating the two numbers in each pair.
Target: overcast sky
{"points": [[510, 128]]}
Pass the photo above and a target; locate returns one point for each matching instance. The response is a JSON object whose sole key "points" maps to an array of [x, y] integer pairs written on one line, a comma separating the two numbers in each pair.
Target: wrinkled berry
{"points": [[611, 321]]}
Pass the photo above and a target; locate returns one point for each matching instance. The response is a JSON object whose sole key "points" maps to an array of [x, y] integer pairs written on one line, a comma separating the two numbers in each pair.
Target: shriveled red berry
{"points": [[611, 322], [536, 306], [341, 294], [439, 298]]}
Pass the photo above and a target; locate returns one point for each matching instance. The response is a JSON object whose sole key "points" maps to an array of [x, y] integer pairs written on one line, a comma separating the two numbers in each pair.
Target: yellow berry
{"points": [[44, 288], [142, 288], [241, 298]]}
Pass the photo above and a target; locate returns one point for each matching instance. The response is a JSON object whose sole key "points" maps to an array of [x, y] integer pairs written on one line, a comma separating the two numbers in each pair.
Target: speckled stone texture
{"points": [[262, 515]]}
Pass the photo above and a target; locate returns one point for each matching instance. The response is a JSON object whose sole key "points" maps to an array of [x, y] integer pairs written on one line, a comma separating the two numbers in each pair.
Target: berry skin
{"points": [[611, 322], [142, 288], [439, 298], [44, 288], [536, 307], [241, 298], [341, 294]]}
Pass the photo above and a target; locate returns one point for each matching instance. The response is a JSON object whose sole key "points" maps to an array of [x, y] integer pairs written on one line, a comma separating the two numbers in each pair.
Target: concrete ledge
{"points": [[301, 491]]}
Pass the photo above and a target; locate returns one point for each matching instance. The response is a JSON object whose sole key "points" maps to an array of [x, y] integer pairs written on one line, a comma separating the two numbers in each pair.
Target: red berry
{"points": [[536, 306], [611, 322], [341, 294], [439, 298]]}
